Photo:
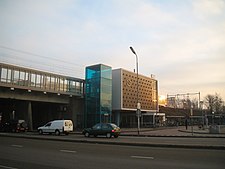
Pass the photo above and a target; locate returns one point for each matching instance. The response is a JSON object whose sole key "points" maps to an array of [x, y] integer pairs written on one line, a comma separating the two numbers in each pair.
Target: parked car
{"points": [[57, 127], [107, 129], [14, 126]]}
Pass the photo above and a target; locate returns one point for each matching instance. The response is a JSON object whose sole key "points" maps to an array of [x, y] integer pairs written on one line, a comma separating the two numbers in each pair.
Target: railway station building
{"points": [[105, 95]]}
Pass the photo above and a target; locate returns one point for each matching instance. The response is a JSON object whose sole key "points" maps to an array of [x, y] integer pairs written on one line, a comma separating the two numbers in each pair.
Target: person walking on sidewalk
{"points": [[186, 123]]}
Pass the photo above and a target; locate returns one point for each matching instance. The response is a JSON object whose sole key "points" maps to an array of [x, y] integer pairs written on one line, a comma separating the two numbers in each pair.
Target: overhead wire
{"points": [[58, 68], [37, 55], [17, 60], [13, 59]]}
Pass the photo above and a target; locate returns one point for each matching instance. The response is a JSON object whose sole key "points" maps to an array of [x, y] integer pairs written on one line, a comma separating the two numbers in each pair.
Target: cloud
{"points": [[206, 8], [146, 14], [181, 42]]}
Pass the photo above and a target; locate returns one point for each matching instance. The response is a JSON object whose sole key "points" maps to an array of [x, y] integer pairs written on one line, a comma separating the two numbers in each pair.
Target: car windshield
{"points": [[48, 124], [114, 126], [106, 126], [97, 126]]}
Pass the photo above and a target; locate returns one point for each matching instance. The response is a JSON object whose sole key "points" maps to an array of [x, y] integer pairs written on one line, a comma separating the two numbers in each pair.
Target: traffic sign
{"points": [[138, 113]]}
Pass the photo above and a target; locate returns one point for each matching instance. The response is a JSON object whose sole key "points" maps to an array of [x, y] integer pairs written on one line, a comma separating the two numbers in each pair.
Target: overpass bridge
{"points": [[38, 97]]}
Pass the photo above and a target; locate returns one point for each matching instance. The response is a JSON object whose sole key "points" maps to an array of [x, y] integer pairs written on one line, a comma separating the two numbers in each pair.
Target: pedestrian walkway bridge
{"points": [[15, 77]]}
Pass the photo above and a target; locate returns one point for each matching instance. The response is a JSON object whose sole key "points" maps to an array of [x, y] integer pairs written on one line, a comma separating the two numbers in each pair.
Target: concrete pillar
{"points": [[117, 118], [30, 118], [51, 113], [77, 110], [72, 112], [153, 119], [13, 114]]}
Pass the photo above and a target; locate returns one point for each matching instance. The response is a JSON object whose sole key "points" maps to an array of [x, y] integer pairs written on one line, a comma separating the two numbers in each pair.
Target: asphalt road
{"points": [[19, 153]]}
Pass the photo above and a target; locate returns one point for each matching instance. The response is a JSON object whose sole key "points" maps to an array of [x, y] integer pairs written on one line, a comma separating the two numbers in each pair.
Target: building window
{"points": [[52, 85], [47, 82], [22, 78], [33, 80], [4, 74], [66, 85], [61, 84], [16, 77], [38, 80]]}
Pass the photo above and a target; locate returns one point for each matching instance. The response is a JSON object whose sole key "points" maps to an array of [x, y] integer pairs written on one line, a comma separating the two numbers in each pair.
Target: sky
{"points": [[181, 42]]}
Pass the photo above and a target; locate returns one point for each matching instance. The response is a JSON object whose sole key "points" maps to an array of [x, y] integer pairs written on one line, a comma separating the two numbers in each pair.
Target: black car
{"points": [[14, 126], [107, 129]]}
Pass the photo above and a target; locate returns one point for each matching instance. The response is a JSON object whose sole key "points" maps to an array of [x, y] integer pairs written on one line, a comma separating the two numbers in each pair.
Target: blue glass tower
{"points": [[98, 98]]}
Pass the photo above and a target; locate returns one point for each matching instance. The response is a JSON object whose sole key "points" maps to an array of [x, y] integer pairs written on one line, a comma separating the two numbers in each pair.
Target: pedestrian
{"points": [[186, 123], [177, 123]]}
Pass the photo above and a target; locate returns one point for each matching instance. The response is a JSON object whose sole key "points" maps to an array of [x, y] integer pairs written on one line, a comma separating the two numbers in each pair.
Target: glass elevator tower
{"points": [[98, 96]]}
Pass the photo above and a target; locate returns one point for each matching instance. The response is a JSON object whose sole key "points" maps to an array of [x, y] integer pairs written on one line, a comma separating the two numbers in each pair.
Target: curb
{"points": [[153, 135], [214, 147], [194, 136], [204, 134]]}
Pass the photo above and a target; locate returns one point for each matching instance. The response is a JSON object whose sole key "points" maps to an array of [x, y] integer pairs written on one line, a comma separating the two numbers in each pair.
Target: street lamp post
{"points": [[138, 104]]}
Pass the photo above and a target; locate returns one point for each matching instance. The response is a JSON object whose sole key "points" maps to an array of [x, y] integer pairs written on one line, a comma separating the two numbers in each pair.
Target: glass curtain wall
{"points": [[98, 94], [106, 94]]}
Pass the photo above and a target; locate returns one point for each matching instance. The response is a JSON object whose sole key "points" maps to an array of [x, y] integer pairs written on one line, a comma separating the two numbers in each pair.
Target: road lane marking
{"points": [[68, 151], [7, 167], [143, 157], [18, 146]]}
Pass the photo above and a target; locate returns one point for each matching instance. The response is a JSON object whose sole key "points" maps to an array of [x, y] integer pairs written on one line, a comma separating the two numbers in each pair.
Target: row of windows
{"points": [[128, 83], [131, 102], [142, 101], [144, 98], [130, 93], [142, 83], [134, 93], [133, 77], [43, 81], [131, 106], [141, 87], [140, 80]]}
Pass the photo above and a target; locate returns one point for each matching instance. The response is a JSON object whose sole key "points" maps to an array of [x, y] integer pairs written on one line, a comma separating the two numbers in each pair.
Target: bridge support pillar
{"points": [[77, 110], [30, 118], [117, 118]]}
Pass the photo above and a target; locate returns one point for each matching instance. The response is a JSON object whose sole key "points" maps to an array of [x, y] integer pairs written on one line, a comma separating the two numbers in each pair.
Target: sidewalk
{"points": [[179, 131]]}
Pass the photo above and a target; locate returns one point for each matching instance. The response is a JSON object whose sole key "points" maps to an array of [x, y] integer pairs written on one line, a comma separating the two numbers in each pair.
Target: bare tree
{"points": [[188, 103], [195, 103], [214, 103]]}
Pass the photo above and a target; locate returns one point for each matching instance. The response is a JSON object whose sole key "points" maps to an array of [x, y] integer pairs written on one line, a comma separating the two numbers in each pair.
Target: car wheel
{"points": [[57, 132], [86, 134], [108, 135], [40, 131], [95, 135]]}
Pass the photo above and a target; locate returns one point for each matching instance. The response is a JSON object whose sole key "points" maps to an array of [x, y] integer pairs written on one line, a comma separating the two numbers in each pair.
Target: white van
{"points": [[57, 127]]}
